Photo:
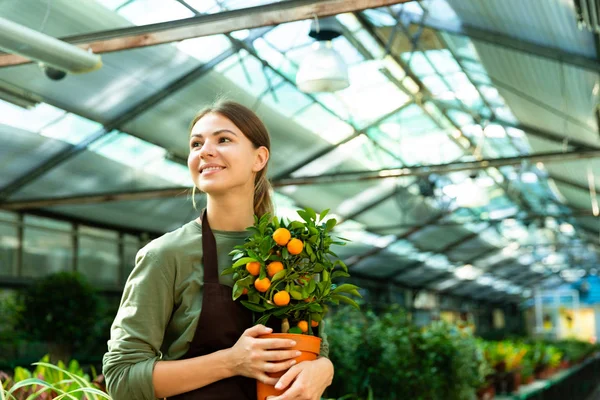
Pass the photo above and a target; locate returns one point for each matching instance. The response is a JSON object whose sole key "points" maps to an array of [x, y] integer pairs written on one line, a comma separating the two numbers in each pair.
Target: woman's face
{"points": [[221, 157]]}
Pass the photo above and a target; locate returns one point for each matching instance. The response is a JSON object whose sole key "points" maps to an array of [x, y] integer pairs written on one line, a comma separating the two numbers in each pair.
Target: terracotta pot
{"points": [[310, 347]]}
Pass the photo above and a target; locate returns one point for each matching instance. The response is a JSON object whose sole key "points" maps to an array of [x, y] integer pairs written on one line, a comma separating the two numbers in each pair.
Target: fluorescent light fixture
{"points": [[49, 51]]}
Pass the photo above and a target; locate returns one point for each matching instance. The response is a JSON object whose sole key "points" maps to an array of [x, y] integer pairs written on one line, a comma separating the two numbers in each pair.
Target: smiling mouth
{"points": [[211, 169]]}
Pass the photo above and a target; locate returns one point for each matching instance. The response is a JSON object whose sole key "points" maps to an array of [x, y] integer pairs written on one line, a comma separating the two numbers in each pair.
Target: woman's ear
{"points": [[262, 157]]}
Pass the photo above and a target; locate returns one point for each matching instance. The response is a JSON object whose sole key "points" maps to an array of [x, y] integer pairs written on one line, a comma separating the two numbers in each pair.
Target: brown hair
{"points": [[254, 129]]}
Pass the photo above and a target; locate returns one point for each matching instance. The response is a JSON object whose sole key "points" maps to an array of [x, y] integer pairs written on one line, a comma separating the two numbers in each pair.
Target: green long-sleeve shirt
{"points": [[160, 308]]}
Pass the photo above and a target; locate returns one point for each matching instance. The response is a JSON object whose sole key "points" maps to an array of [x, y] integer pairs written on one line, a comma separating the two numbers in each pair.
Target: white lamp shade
{"points": [[472, 195], [322, 70]]}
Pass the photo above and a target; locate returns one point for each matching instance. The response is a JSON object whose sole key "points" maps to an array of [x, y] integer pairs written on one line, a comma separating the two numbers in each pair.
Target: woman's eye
{"points": [[196, 144], [224, 140]]}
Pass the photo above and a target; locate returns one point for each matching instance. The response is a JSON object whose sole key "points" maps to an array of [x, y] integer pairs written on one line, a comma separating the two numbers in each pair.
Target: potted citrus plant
{"points": [[285, 272]]}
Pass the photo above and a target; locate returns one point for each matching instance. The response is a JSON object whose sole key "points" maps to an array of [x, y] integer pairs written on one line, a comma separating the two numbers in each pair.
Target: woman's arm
{"points": [[250, 356]]}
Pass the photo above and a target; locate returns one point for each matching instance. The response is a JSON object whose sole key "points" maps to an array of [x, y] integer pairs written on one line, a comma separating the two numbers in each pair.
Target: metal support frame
{"points": [[512, 43], [519, 200], [211, 24], [337, 177], [399, 273], [376, 250], [287, 173], [130, 114]]}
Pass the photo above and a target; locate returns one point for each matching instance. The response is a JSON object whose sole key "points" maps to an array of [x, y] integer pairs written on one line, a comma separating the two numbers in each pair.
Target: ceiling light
{"points": [[323, 69], [494, 131], [467, 272], [472, 194], [53, 53]]}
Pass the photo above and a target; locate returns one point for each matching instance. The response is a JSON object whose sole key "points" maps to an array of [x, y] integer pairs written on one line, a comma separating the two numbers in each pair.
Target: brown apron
{"points": [[222, 322]]}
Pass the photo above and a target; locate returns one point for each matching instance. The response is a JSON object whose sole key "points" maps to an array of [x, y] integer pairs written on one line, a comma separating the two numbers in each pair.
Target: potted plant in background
{"points": [[285, 271], [60, 310]]}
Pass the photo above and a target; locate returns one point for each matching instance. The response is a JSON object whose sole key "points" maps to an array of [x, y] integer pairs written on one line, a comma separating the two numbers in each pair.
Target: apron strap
{"points": [[209, 252]]}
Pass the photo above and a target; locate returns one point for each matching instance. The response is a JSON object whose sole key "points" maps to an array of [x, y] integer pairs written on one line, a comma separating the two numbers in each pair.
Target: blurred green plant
{"points": [[386, 356], [60, 310], [49, 381]]}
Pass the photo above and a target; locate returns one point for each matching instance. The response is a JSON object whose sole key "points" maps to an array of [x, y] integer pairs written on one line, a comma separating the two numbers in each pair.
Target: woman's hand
{"points": [[253, 357], [309, 380]]}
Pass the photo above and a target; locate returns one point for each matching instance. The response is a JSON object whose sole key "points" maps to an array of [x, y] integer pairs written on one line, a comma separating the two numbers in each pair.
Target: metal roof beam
{"points": [[211, 24], [354, 176], [510, 42], [128, 115]]}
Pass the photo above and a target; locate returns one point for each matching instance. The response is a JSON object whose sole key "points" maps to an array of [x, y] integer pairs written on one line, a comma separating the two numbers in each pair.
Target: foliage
{"points": [[306, 277], [49, 381], [60, 308], [390, 356]]}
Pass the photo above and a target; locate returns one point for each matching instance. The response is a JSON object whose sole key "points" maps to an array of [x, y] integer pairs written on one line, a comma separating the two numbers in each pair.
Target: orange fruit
{"points": [[303, 325], [314, 324], [245, 291], [309, 299], [295, 246], [281, 298], [253, 267], [282, 236], [262, 285], [274, 268]]}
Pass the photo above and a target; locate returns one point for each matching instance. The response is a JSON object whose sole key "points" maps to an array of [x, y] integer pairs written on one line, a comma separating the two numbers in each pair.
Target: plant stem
{"points": [[285, 325]]}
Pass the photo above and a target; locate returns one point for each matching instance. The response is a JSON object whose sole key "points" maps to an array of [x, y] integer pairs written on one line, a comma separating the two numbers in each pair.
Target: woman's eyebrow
{"points": [[215, 133]]}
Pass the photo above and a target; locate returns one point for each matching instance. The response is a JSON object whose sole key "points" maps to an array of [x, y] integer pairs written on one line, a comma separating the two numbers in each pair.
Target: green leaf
{"points": [[345, 288], [296, 295], [296, 225], [311, 213], [253, 297], [323, 214], [346, 300], [304, 215], [315, 307], [330, 224], [339, 274], [295, 329], [316, 317], [228, 271], [243, 261], [355, 293], [312, 285], [252, 306], [237, 291], [279, 275], [285, 253], [308, 248]]}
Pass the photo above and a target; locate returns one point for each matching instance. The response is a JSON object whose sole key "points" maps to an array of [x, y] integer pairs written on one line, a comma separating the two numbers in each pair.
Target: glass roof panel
{"points": [[288, 101], [32, 119], [358, 154], [290, 35], [143, 156], [144, 12], [205, 48], [368, 85], [249, 74], [71, 129], [324, 124]]}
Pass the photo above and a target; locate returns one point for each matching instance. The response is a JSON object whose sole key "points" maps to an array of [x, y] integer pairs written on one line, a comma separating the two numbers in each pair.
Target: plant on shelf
{"points": [[285, 271]]}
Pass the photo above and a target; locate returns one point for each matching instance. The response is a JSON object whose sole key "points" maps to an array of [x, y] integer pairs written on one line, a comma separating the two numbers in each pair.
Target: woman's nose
{"points": [[207, 149]]}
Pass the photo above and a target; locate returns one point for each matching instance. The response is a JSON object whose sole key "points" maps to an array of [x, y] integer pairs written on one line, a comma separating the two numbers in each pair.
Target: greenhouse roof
{"points": [[445, 95]]}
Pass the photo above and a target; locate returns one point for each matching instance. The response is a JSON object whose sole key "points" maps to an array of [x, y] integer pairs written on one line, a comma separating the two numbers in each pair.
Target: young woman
{"points": [[178, 333]]}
